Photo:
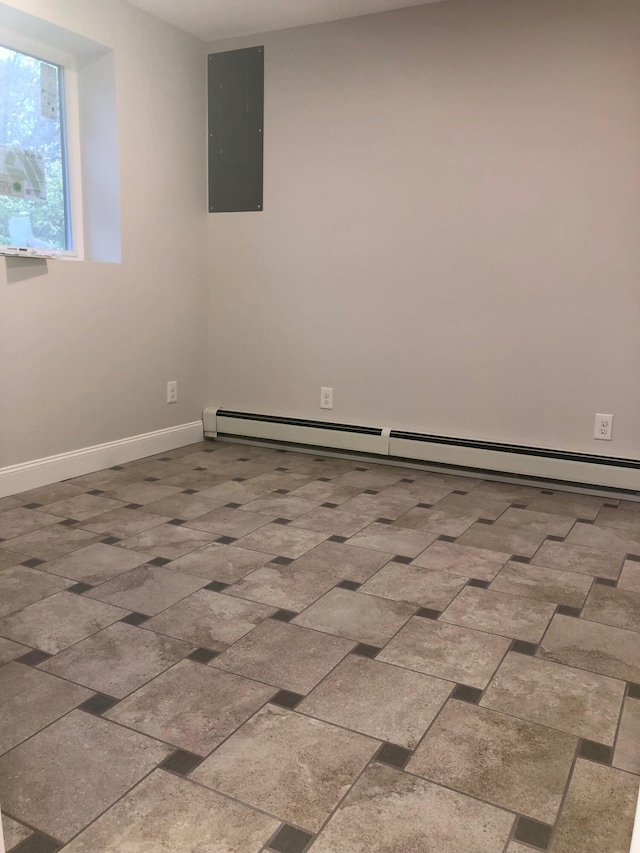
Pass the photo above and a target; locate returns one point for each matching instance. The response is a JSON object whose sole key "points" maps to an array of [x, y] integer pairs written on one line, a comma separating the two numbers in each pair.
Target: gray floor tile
{"points": [[462, 560], [499, 759], [10, 558], [118, 660], [364, 618], [414, 585], [58, 621], [123, 522], [335, 522], [544, 523], [147, 589], [182, 506], [589, 645], [95, 564], [286, 656], [217, 562], [376, 699], [300, 767], [618, 607], [192, 706], [470, 504], [48, 494], [10, 651], [447, 522], [282, 540], [606, 538], [393, 539], [82, 507], [510, 540], [288, 587], [14, 832], [374, 477], [230, 522], [388, 811], [103, 480], [282, 506], [446, 651], [598, 812], [630, 576], [21, 586], [385, 504], [209, 619], [59, 781], [17, 522], [168, 541], [578, 558], [144, 493], [330, 492], [343, 560], [504, 491], [543, 584], [569, 504], [164, 813], [571, 700], [619, 519], [232, 492], [50, 542], [31, 700], [627, 753], [500, 613]]}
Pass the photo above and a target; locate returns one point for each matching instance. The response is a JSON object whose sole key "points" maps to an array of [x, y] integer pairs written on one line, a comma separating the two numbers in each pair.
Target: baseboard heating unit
{"points": [[412, 448]]}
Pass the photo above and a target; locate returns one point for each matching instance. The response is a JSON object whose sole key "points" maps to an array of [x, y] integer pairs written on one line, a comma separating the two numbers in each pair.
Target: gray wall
{"points": [[450, 233]]}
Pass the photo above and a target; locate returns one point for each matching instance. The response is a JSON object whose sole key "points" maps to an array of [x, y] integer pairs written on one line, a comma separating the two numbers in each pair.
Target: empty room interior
{"points": [[319, 426]]}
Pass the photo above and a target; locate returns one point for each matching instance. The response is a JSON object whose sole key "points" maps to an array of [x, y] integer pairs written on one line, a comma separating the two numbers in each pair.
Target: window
{"points": [[34, 192]]}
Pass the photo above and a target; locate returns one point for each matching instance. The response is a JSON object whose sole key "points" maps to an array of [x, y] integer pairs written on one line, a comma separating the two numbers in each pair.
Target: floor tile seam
{"points": [[76, 547], [43, 729], [530, 597], [433, 721], [147, 565], [23, 823], [481, 630], [189, 523], [552, 568], [563, 799], [64, 517], [12, 613], [593, 621]]}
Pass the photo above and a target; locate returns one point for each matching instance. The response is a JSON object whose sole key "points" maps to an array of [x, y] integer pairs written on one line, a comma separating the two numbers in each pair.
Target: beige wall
{"points": [[450, 235], [87, 348]]}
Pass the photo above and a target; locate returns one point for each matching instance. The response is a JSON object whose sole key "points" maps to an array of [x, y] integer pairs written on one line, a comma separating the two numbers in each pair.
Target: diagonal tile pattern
{"points": [[251, 649]]}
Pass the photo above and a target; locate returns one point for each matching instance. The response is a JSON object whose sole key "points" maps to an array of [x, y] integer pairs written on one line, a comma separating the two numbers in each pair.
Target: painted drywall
{"points": [[450, 226], [86, 348]]}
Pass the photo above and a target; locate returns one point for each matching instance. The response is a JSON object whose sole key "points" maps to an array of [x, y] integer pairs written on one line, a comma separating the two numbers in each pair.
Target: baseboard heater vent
{"points": [[407, 447]]}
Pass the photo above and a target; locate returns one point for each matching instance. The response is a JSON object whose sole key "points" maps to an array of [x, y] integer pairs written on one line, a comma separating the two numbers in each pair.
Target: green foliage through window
{"points": [[33, 205]]}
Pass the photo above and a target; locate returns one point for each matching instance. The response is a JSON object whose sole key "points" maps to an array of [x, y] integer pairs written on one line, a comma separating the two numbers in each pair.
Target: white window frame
{"points": [[21, 43]]}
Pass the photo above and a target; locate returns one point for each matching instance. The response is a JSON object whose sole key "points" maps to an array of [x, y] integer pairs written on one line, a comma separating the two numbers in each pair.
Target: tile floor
{"points": [[234, 649]]}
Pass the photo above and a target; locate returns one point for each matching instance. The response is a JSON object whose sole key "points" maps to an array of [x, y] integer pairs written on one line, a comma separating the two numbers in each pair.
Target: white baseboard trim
{"points": [[75, 463]]}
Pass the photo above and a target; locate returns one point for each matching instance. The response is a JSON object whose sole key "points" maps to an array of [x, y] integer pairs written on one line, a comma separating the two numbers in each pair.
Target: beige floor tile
{"points": [[10, 651], [282, 506], [182, 506], [143, 493], [330, 492], [147, 589], [282, 540], [59, 781], [571, 700], [388, 811], [192, 706], [209, 619], [167, 814], [504, 761], [543, 584], [447, 522], [385, 504], [371, 477], [58, 621], [286, 656], [31, 700], [10, 558], [618, 607], [414, 585], [462, 560], [95, 564], [21, 586], [569, 504], [590, 645], [627, 753], [620, 519], [393, 539], [300, 768], [118, 660], [500, 613], [578, 558], [288, 587], [630, 576], [364, 618], [14, 832], [376, 699], [544, 523], [598, 812], [470, 504], [49, 494], [511, 492], [446, 651], [217, 562], [606, 538]]}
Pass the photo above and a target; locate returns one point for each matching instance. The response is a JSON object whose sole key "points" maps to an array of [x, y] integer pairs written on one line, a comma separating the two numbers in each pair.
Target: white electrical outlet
{"points": [[603, 427], [326, 398], [172, 392]]}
